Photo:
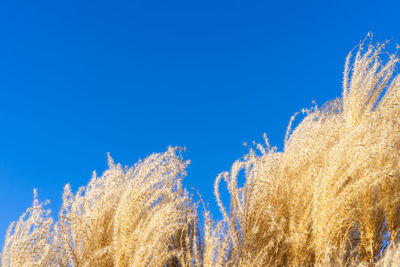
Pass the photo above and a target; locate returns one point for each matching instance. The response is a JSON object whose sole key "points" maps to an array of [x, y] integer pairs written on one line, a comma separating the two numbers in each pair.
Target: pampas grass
{"points": [[126, 217], [330, 198]]}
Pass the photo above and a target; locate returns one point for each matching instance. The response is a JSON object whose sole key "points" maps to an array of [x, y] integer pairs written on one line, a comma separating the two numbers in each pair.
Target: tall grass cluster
{"points": [[330, 198]]}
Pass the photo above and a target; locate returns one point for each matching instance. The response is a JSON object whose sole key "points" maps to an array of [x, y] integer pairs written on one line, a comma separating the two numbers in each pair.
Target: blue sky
{"points": [[82, 78]]}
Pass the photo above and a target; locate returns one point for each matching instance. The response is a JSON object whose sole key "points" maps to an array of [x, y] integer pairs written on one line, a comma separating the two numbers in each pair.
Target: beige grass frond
{"points": [[332, 196]]}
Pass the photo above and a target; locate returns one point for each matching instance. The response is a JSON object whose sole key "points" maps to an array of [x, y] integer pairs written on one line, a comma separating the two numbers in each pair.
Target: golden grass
{"points": [[127, 217], [330, 198]]}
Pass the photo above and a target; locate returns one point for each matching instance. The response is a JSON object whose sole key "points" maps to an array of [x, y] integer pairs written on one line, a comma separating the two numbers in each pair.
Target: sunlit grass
{"points": [[331, 197]]}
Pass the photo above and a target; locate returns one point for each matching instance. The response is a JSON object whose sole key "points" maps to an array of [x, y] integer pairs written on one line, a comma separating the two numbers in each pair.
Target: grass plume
{"points": [[331, 197]]}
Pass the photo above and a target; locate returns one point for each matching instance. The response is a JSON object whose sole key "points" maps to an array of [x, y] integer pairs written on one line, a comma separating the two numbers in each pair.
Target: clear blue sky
{"points": [[79, 79]]}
